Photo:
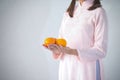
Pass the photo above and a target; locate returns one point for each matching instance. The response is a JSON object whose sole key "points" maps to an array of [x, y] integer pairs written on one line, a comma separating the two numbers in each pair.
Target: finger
{"points": [[45, 46], [55, 48], [52, 46]]}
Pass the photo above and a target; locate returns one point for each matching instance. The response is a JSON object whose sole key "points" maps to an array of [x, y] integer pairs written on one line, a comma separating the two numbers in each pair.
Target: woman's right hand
{"points": [[55, 49]]}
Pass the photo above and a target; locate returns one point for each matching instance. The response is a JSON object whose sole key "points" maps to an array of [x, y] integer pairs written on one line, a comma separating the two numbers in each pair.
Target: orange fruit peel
{"points": [[61, 42], [58, 41], [49, 41]]}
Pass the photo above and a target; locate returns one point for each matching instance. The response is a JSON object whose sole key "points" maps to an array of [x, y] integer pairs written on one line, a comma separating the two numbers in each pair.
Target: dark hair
{"points": [[70, 9]]}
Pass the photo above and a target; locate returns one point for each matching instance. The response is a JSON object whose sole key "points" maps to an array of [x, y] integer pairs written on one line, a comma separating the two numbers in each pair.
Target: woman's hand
{"points": [[54, 48], [60, 49], [69, 51]]}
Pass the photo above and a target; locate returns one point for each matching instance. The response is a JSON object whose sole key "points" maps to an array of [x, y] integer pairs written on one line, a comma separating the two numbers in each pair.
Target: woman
{"points": [[84, 26]]}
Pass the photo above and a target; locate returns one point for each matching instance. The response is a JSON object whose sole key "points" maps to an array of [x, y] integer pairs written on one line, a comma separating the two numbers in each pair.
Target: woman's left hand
{"points": [[68, 50]]}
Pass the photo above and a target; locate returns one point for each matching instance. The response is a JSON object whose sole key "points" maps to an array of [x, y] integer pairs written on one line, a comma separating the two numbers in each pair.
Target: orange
{"points": [[61, 41], [49, 40]]}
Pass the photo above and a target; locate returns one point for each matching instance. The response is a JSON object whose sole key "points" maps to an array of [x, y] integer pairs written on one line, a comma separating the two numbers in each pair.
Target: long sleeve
{"points": [[99, 49]]}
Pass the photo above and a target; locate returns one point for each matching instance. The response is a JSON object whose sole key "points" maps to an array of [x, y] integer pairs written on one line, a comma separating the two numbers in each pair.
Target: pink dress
{"points": [[86, 32]]}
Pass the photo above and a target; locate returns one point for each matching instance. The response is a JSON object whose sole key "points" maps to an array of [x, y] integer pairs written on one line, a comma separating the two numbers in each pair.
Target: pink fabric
{"points": [[86, 32]]}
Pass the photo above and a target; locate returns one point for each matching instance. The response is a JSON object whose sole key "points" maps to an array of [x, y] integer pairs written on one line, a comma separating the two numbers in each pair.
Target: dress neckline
{"points": [[85, 5]]}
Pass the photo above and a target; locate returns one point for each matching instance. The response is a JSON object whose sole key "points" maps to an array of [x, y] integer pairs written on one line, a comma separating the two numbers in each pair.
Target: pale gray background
{"points": [[23, 26]]}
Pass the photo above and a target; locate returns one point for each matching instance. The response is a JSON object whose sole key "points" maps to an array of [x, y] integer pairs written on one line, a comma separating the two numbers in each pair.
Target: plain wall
{"points": [[23, 26]]}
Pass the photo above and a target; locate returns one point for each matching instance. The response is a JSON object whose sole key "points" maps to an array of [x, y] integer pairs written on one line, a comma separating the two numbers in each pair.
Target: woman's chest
{"points": [[79, 24]]}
